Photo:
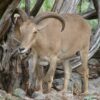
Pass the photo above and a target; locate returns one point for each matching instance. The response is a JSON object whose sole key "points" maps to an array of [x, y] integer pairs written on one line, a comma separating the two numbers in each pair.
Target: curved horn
{"points": [[21, 13], [50, 15]]}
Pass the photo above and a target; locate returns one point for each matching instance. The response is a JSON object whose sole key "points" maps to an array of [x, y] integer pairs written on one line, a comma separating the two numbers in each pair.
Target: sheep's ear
{"points": [[17, 19], [40, 27]]}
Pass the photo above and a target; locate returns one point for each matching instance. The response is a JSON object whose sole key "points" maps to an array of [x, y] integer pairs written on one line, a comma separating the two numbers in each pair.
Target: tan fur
{"points": [[55, 45]]}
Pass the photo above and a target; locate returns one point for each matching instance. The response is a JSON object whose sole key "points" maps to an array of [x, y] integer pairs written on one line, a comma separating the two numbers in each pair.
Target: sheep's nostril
{"points": [[21, 49]]}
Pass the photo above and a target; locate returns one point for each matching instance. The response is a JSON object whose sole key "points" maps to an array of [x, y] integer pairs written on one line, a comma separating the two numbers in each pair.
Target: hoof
{"points": [[85, 93], [63, 91]]}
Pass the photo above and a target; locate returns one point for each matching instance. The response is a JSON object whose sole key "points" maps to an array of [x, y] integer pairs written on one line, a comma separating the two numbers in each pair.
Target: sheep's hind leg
{"points": [[67, 75], [84, 70]]}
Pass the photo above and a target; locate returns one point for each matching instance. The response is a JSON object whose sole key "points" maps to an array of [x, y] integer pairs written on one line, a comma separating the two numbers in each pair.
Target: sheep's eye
{"points": [[35, 32]]}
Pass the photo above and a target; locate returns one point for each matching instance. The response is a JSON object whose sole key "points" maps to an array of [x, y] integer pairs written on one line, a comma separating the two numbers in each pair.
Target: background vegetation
{"points": [[82, 7]]}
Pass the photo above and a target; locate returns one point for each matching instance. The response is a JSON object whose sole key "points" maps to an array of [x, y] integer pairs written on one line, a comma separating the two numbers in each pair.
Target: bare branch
{"points": [[27, 7], [93, 14], [90, 15], [65, 6], [57, 5], [37, 7]]}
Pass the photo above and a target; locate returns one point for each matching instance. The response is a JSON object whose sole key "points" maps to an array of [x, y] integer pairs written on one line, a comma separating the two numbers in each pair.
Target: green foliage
{"points": [[85, 5], [22, 4], [32, 3], [93, 23], [47, 5]]}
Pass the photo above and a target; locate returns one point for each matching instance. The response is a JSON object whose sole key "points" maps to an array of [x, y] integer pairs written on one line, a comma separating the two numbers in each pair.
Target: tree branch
{"points": [[37, 7], [93, 14], [90, 14], [27, 7]]}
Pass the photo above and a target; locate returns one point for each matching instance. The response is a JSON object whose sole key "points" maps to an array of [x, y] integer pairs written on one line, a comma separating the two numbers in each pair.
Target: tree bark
{"points": [[3, 5]]}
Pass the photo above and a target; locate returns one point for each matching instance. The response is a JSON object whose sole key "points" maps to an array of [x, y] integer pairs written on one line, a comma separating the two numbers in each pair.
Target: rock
{"points": [[38, 96], [53, 95], [94, 86], [93, 62], [27, 98], [2, 95], [58, 83], [10, 97], [19, 93], [94, 68], [97, 54], [77, 83]]}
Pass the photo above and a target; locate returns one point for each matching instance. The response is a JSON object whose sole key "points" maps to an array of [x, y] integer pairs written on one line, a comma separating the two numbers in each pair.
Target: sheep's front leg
{"points": [[32, 67], [39, 76], [50, 74], [67, 75]]}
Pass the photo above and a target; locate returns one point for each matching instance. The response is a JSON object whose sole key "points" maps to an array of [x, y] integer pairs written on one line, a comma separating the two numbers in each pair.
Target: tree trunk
{"points": [[5, 20], [3, 5]]}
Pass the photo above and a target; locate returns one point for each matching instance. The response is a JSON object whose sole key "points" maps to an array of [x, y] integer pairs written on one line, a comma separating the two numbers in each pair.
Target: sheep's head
{"points": [[27, 29], [28, 32]]}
